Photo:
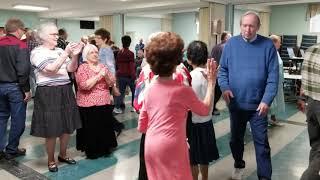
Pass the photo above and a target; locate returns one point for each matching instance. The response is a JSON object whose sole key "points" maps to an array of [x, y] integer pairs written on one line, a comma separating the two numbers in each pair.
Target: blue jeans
{"points": [[259, 125], [123, 82], [11, 104]]}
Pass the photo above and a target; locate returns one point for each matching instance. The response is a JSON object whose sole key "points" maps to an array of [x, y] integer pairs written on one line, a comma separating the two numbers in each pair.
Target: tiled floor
{"points": [[289, 143]]}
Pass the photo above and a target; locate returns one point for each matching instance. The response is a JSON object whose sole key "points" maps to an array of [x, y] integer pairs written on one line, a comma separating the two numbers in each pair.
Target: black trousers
{"points": [[217, 95], [142, 170], [313, 119]]}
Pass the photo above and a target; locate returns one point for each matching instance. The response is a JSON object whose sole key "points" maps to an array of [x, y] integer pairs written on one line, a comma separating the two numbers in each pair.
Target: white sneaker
{"points": [[117, 111], [237, 173]]}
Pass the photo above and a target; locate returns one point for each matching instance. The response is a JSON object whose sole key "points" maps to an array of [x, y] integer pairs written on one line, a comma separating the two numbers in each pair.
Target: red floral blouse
{"points": [[99, 94]]}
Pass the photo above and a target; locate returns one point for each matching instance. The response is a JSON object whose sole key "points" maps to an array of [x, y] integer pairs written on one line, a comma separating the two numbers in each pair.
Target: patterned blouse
{"points": [[99, 94]]}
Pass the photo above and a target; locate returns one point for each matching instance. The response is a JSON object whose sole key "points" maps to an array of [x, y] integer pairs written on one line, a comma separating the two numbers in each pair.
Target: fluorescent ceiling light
{"points": [[30, 7]]}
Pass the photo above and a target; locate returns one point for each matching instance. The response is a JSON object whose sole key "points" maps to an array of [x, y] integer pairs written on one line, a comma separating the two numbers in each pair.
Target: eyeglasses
{"points": [[54, 34]]}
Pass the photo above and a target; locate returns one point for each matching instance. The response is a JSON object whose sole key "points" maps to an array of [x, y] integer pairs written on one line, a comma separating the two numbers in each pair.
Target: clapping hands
{"points": [[102, 72], [74, 48]]}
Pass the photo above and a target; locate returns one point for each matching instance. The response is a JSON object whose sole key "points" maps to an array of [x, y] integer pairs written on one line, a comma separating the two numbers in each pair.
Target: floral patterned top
{"points": [[99, 94]]}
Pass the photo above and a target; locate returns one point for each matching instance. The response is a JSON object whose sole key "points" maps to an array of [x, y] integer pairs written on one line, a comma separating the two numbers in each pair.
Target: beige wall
{"points": [[208, 18]]}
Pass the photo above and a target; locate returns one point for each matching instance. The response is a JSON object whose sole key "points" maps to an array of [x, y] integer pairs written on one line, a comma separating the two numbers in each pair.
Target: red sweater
{"points": [[125, 64]]}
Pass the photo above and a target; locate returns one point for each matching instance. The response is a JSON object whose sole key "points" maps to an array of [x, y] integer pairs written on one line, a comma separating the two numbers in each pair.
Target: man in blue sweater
{"points": [[248, 78]]}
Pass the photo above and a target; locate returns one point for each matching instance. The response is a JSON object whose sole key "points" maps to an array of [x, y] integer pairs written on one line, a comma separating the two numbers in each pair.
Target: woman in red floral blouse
{"points": [[96, 137]]}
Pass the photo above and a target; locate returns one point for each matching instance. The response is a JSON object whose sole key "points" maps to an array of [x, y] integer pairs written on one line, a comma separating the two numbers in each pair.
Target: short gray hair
{"points": [[251, 13], [275, 38], [87, 49], [42, 32]]}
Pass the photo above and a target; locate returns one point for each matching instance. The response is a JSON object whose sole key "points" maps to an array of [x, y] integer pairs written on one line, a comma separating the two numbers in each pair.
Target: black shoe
{"points": [[119, 132], [19, 152], [119, 128], [67, 160], [52, 167], [2, 155], [216, 112], [122, 106]]}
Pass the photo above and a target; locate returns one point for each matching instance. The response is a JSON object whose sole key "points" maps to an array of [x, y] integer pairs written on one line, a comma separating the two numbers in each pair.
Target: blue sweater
{"points": [[250, 71]]}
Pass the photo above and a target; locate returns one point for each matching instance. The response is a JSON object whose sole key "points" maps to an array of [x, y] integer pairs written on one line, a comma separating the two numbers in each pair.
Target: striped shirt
{"points": [[311, 73], [40, 58]]}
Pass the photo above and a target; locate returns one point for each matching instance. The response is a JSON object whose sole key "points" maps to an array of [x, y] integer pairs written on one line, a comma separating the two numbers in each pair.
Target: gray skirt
{"points": [[55, 112]]}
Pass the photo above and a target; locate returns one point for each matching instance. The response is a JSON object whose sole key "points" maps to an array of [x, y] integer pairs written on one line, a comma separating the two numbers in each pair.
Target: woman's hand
{"points": [[212, 70], [102, 72], [76, 48]]}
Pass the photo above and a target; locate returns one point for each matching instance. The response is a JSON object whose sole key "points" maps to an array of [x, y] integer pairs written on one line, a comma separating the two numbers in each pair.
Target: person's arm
{"points": [[199, 84], [22, 65], [143, 120], [272, 79], [84, 81], [223, 75], [73, 65], [75, 49], [194, 104], [23, 71], [132, 65], [52, 67], [271, 84], [109, 77]]}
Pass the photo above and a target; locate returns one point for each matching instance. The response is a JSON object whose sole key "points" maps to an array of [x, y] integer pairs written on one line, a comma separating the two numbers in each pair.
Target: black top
{"points": [[14, 62]]}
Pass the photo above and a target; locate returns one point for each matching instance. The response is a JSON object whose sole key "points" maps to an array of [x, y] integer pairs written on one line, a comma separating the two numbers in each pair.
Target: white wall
{"points": [[73, 29], [141, 27], [236, 22], [30, 19], [290, 20]]}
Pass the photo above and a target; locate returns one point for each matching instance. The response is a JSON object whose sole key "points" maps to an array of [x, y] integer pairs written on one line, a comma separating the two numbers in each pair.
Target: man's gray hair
{"points": [[251, 13]]}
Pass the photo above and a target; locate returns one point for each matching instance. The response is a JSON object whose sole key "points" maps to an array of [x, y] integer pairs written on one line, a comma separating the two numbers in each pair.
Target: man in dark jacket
{"points": [[14, 87], [216, 54]]}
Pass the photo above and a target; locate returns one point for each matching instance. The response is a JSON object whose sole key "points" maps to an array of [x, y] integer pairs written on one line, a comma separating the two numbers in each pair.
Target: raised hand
{"points": [[67, 50], [76, 48], [212, 70]]}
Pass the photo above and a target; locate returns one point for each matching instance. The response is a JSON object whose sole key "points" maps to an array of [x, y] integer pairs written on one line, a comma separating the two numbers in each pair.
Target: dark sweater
{"points": [[250, 71], [14, 62], [125, 64], [217, 51]]}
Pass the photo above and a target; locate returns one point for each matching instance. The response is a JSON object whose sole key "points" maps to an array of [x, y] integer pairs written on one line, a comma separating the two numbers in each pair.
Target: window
{"points": [[315, 24]]}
